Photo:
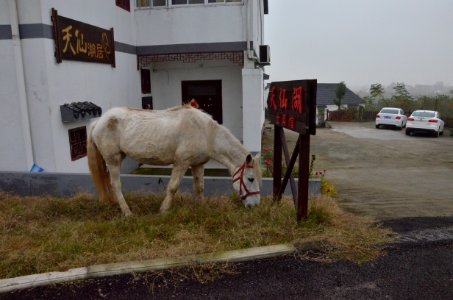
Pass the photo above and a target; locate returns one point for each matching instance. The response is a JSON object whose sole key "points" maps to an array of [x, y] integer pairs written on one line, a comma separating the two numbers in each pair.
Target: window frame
{"points": [[169, 4]]}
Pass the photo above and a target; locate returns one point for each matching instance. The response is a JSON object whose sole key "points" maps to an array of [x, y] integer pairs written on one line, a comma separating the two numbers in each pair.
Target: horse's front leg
{"points": [[176, 174], [198, 181], [114, 166]]}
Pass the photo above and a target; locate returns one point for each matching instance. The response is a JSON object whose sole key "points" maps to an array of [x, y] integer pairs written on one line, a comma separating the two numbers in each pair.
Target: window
{"points": [[179, 2], [146, 81], [223, 1], [157, 3], [78, 142], [142, 3], [147, 3], [124, 4], [390, 111], [165, 3]]}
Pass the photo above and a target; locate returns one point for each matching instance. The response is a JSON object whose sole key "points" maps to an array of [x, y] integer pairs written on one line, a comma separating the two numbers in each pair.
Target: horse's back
{"points": [[154, 136]]}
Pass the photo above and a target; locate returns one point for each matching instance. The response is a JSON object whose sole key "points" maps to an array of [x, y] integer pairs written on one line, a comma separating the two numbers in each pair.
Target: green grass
{"points": [[41, 234]]}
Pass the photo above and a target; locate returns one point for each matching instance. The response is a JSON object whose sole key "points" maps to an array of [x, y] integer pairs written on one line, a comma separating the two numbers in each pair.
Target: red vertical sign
{"points": [[292, 104]]}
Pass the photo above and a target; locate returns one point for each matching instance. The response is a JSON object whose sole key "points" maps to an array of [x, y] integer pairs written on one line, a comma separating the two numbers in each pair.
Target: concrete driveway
{"points": [[384, 173]]}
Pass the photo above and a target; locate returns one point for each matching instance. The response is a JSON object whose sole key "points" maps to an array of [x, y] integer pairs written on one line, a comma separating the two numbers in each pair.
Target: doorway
{"points": [[207, 93]]}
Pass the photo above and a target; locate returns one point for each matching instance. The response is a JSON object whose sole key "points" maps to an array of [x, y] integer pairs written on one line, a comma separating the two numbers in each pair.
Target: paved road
{"points": [[384, 173]]}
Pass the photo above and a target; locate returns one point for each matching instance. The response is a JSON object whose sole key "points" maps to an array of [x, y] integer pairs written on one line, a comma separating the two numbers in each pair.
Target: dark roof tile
{"points": [[325, 94]]}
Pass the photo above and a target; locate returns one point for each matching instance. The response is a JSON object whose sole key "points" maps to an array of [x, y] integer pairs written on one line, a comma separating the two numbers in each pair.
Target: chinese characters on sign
{"points": [[292, 104], [75, 40]]}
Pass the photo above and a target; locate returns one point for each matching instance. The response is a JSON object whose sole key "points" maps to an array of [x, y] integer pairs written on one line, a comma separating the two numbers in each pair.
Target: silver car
{"points": [[425, 121], [391, 116]]}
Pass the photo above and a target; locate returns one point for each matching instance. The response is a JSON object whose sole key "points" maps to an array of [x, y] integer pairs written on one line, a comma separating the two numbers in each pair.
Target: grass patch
{"points": [[41, 234]]}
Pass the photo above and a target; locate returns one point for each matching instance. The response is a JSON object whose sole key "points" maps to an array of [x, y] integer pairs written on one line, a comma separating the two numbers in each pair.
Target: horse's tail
{"points": [[98, 168]]}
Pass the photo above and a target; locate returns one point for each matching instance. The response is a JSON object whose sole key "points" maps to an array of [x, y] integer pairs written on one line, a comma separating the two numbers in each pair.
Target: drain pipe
{"points": [[20, 77], [249, 15]]}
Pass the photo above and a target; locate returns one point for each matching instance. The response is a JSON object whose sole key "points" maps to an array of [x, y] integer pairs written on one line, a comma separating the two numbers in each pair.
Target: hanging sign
{"points": [[75, 40], [292, 104]]}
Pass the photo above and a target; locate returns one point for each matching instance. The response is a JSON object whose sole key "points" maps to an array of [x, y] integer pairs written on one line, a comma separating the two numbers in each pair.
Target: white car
{"points": [[391, 116], [425, 121]]}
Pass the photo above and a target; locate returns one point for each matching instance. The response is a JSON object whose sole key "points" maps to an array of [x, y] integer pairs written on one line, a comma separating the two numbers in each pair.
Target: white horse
{"points": [[183, 136]]}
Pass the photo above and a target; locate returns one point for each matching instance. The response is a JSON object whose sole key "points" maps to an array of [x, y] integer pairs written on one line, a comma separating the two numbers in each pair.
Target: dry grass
{"points": [[41, 234]]}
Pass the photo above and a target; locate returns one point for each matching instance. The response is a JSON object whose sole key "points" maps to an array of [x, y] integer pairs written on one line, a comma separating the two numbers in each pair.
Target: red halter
{"points": [[240, 171]]}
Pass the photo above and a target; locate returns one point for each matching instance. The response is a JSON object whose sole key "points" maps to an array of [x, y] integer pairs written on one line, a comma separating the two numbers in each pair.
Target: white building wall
{"points": [[13, 149], [50, 85], [256, 12], [190, 24]]}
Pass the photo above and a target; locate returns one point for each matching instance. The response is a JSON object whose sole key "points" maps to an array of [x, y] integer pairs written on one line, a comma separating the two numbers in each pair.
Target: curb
{"points": [[426, 235], [31, 281]]}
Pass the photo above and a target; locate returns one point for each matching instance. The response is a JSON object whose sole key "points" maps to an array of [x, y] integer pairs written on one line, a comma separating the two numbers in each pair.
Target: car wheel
{"points": [[377, 126], [408, 132]]}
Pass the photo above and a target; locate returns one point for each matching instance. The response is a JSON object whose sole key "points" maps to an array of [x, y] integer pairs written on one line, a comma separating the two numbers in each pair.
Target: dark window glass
{"points": [[124, 4], [146, 81], [142, 3], [78, 142], [159, 2]]}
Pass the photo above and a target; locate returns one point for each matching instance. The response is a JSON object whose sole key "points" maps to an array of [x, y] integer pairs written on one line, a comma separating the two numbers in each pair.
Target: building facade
{"points": [[166, 52]]}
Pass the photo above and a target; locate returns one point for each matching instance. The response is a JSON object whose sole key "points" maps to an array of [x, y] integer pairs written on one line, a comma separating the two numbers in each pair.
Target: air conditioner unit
{"points": [[265, 55]]}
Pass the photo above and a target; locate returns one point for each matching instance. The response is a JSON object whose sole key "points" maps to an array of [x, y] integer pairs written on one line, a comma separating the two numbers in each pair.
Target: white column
{"points": [[253, 108], [21, 84]]}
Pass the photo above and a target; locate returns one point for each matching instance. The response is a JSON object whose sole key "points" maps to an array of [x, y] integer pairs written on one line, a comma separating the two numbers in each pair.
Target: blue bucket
{"points": [[36, 169]]}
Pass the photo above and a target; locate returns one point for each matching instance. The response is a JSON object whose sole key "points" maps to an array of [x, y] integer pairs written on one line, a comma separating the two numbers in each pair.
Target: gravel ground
{"points": [[385, 174]]}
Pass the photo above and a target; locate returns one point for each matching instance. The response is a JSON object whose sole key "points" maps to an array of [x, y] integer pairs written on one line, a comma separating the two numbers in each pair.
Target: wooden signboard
{"points": [[75, 40], [292, 105]]}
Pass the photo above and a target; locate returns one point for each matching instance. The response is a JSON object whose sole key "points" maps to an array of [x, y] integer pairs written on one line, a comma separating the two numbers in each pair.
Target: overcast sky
{"points": [[361, 42]]}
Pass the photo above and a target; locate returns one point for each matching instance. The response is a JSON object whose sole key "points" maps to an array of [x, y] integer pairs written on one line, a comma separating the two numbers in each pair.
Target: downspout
{"points": [[20, 76], [249, 15]]}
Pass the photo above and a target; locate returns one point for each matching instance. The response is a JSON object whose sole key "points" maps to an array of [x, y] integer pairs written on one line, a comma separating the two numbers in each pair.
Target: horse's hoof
{"points": [[163, 211]]}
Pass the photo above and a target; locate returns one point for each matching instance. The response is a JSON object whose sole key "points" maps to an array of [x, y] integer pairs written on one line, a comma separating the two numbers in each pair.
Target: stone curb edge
{"points": [[30, 281]]}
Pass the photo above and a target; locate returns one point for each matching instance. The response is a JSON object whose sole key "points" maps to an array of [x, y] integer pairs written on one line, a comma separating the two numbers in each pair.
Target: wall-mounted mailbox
{"points": [[79, 111]]}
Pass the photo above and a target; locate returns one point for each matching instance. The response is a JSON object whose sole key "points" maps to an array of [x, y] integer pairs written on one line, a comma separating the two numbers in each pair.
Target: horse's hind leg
{"points": [[198, 184], [114, 166], [176, 175]]}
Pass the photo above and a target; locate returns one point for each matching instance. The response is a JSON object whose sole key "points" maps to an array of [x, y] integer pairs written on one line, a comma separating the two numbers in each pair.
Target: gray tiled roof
{"points": [[325, 94]]}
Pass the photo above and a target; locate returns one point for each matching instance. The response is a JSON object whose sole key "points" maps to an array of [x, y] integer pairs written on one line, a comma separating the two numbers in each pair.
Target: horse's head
{"points": [[247, 179]]}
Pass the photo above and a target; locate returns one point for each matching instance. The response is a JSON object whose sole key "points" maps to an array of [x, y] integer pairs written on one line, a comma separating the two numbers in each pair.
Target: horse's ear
{"points": [[257, 157], [249, 159], [194, 103]]}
